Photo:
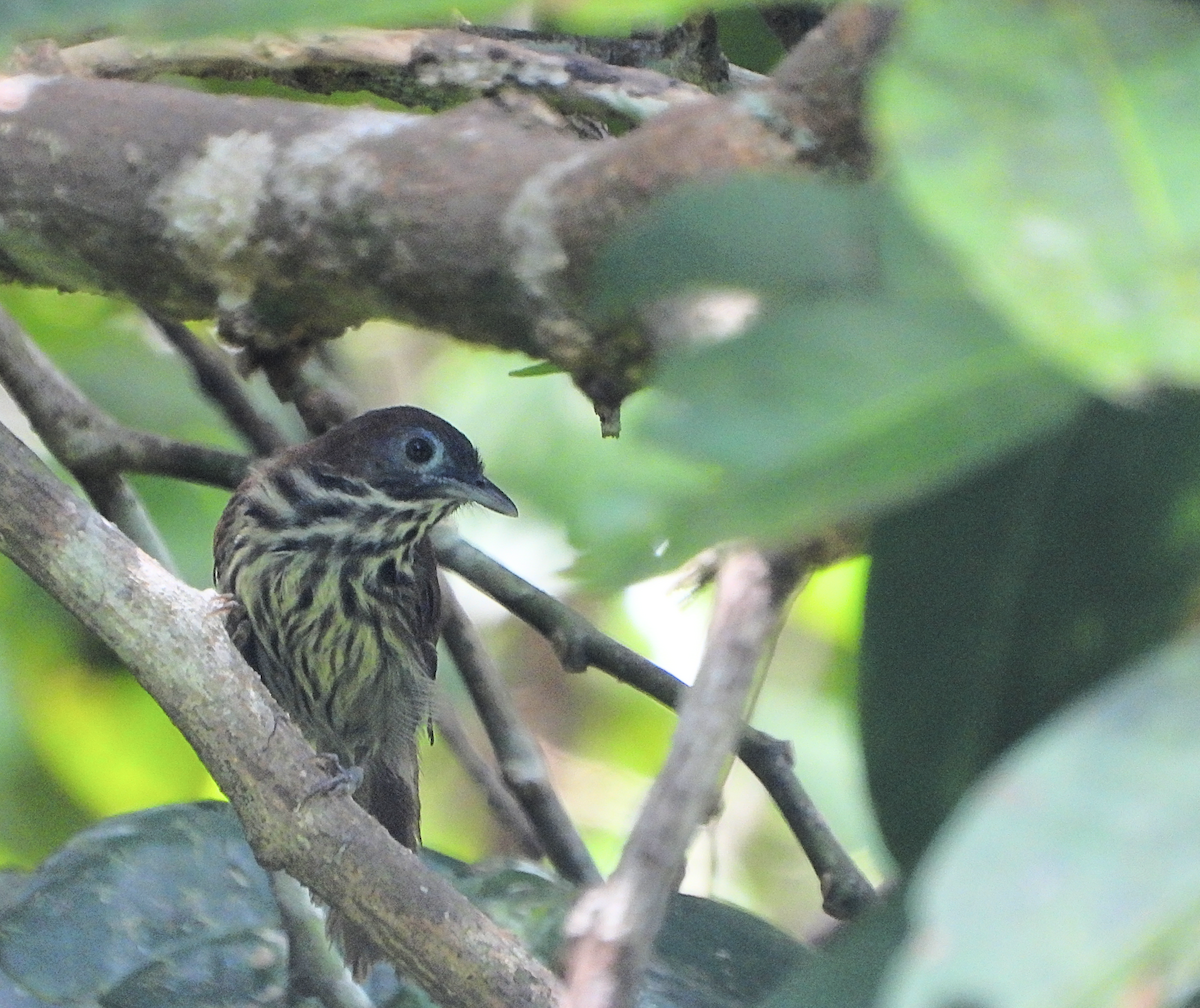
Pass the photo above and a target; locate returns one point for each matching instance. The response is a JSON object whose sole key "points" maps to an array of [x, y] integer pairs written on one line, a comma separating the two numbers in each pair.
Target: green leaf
{"points": [[778, 235], [848, 970], [995, 602], [534, 370], [864, 383], [520, 898], [707, 955], [720, 948], [1070, 875], [1053, 147], [164, 906]]}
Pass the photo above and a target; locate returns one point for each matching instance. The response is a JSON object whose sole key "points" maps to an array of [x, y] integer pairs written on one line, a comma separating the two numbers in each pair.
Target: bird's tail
{"points": [[389, 792]]}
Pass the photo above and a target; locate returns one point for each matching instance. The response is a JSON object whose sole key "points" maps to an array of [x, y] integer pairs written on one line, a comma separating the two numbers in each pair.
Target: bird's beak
{"points": [[483, 491]]}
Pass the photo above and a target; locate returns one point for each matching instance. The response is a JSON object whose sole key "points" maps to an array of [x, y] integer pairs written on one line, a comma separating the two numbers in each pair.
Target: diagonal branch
{"points": [[579, 645], [93, 447], [516, 750], [613, 926], [504, 806], [221, 384], [173, 639]]}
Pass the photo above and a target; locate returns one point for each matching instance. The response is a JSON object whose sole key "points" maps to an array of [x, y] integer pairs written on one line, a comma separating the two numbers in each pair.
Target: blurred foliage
{"points": [[35, 18], [850, 968], [1082, 849], [746, 40], [870, 374], [994, 603], [1058, 161]]}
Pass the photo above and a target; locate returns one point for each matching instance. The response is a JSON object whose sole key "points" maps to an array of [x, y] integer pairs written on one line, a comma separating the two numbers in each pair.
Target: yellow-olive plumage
{"points": [[324, 550]]}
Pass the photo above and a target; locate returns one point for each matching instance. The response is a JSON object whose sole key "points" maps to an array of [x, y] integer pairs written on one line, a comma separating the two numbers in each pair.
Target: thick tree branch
{"points": [[612, 928], [291, 222], [173, 639]]}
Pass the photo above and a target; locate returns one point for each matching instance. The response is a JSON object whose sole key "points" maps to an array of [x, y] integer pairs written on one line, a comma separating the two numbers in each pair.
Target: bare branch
{"points": [[84, 438], [430, 67], [93, 447], [312, 959], [219, 381], [520, 759], [173, 639], [322, 402], [612, 927], [580, 645], [689, 51], [821, 82], [503, 805], [62, 416], [845, 891]]}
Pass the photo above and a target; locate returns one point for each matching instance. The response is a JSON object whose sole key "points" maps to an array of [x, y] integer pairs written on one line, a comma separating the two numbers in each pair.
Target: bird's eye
{"points": [[419, 450]]}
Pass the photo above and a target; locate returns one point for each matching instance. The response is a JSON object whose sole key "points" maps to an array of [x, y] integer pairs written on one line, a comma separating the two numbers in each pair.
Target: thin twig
{"points": [[61, 414], [119, 503], [84, 438], [579, 645], [89, 443], [845, 890], [315, 963], [321, 406], [613, 926], [503, 805], [219, 381], [517, 751]]}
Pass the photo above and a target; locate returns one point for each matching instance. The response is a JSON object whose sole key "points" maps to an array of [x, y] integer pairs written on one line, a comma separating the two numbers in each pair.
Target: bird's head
{"points": [[409, 455]]}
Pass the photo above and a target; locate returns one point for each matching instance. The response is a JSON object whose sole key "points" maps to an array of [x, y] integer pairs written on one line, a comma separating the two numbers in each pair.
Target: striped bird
{"points": [[324, 551]]}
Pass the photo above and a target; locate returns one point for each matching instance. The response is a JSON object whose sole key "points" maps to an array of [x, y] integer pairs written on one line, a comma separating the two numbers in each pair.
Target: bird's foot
{"points": [[338, 779], [222, 604]]}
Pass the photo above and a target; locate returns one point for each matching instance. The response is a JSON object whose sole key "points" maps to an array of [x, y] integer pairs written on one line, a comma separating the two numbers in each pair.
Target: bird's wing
{"points": [[427, 607]]}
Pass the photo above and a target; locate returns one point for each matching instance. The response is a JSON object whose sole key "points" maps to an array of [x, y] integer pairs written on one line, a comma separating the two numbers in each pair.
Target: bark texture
{"points": [[290, 222]]}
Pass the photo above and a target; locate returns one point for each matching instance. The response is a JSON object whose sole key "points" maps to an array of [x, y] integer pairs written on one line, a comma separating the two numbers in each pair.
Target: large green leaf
{"points": [[993, 603], [847, 971], [870, 377], [778, 235], [1054, 146], [1070, 876], [161, 907]]}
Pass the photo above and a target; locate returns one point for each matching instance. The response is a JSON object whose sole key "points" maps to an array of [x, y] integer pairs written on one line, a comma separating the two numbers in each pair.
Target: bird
{"points": [[324, 557]]}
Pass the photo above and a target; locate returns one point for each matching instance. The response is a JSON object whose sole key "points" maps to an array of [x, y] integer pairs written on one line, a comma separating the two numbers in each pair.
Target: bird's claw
{"points": [[222, 603], [338, 779]]}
